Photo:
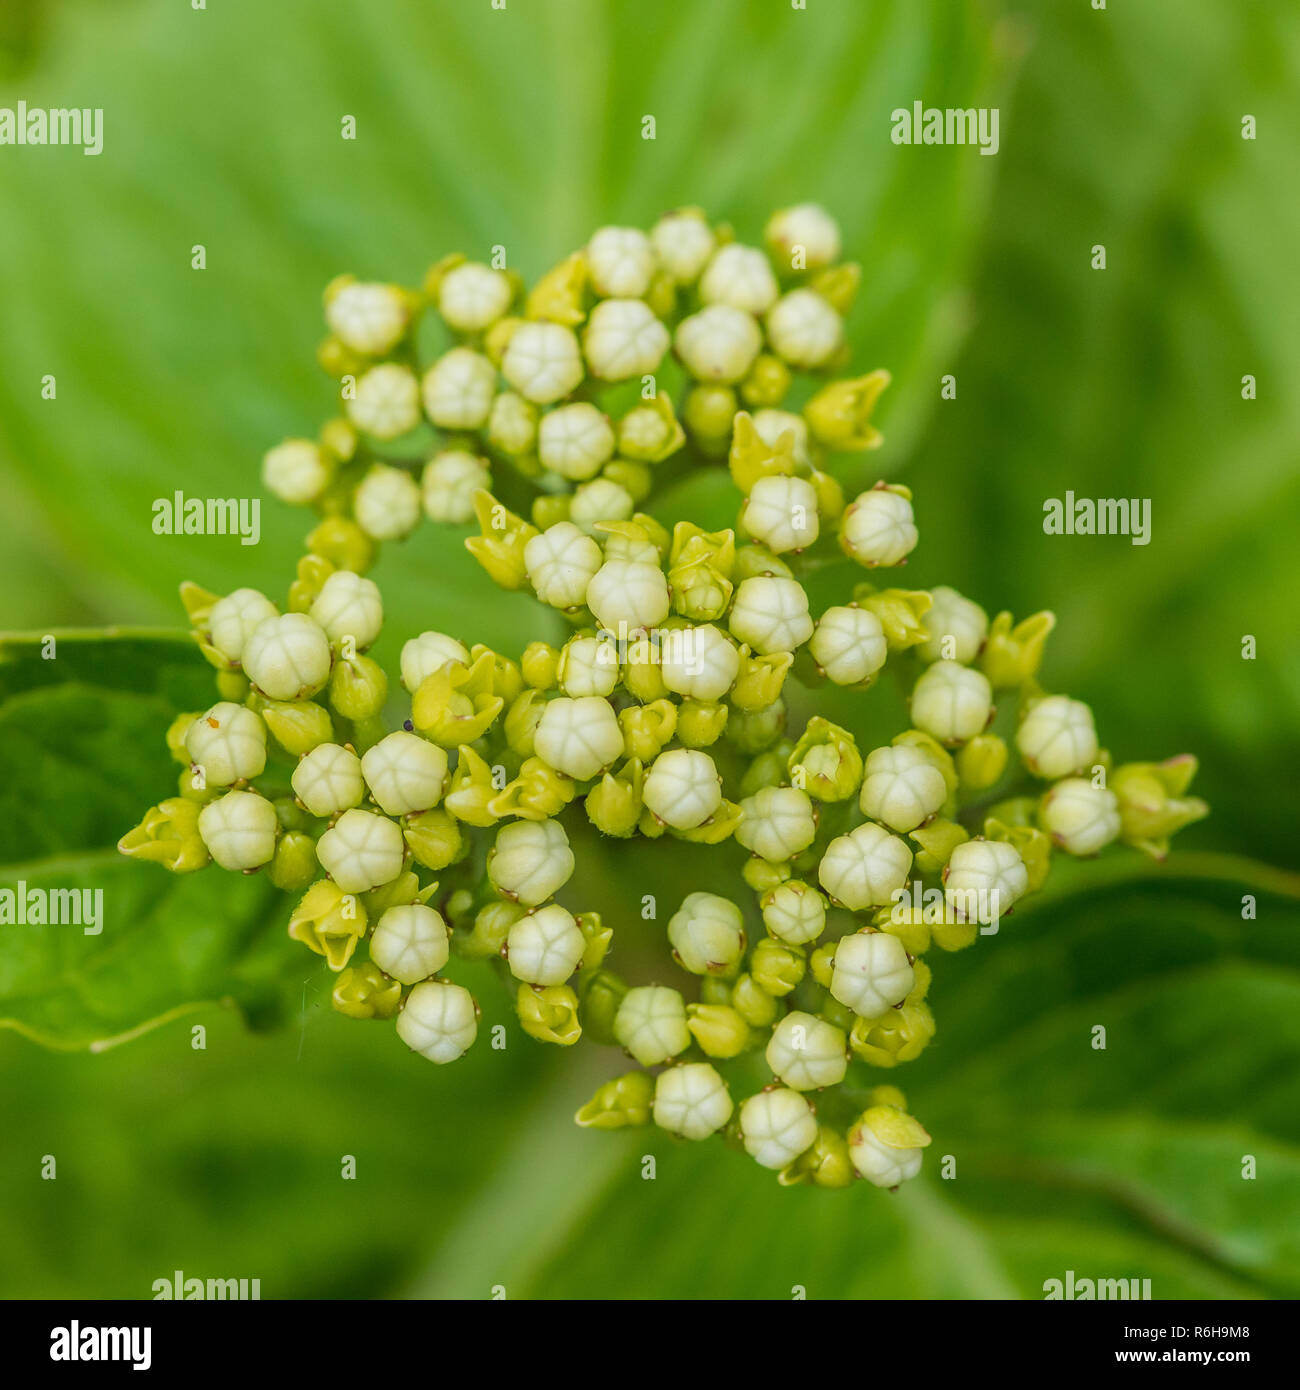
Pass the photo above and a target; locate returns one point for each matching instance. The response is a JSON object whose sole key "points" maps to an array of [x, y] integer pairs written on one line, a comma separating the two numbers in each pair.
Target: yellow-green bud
{"points": [[500, 547], [358, 687], [767, 384], [298, 726], [839, 415], [901, 613], [614, 804], [753, 1003], [470, 793], [762, 875], [433, 838], [549, 1013], [761, 679], [719, 1030], [935, 842], [295, 863], [458, 704], [313, 571], [364, 991], [751, 457], [521, 721], [624, 1101], [1012, 655], [825, 762], [491, 928], [539, 665], [899, 1036], [330, 922], [646, 728], [981, 762], [701, 722], [168, 835], [1033, 845], [707, 413], [754, 731], [1152, 804], [601, 997], [825, 1164], [341, 542], [537, 793], [777, 967]]}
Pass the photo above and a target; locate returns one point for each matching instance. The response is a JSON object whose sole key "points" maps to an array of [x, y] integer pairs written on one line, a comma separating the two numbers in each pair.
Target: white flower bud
{"points": [[778, 824], [957, 628], [881, 1164], [782, 513], [234, 618], [641, 551], [708, 934], [386, 503], [296, 471], [545, 946], [952, 703], [805, 225], [871, 973], [410, 943], [288, 657], [601, 499], [682, 788], [849, 644], [228, 743], [1057, 737], [349, 605], [878, 528], [794, 912], [439, 1021], [239, 830], [804, 328], [700, 663], [472, 297], [588, 666], [512, 423], [651, 1024], [770, 425], [777, 1126], [405, 773], [386, 402], [458, 390], [623, 338], [983, 879], [719, 343], [542, 362], [426, 654], [328, 780], [620, 262], [530, 861], [575, 441], [561, 563], [448, 484], [691, 1100], [807, 1053], [367, 318], [739, 276], [901, 787], [578, 737], [771, 614], [683, 241], [631, 592], [865, 867], [1080, 818], [361, 851]]}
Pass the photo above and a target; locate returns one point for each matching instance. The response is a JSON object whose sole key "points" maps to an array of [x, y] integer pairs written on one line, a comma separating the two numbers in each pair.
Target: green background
{"points": [[522, 128]]}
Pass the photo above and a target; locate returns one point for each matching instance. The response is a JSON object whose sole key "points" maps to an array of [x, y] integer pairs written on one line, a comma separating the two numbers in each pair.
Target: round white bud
{"points": [[871, 973], [865, 868], [983, 879], [708, 934], [771, 614], [512, 423], [288, 657], [901, 787], [779, 823], [691, 1100], [620, 262], [630, 593], [602, 499], [718, 344], [296, 471], [806, 1052], [956, 625], [588, 666], [849, 644], [387, 503], [739, 276], [406, 774], [328, 780], [777, 1126], [578, 738], [700, 663], [349, 606], [952, 703], [623, 338], [683, 241], [575, 441], [794, 912], [806, 226], [782, 513], [472, 297], [386, 401], [229, 743], [234, 618], [367, 318], [449, 482], [804, 328], [239, 830], [426, 654], [1057, 737], [878, 528], [881, 1164], [439, 1021], [682, 788], [542, 362], [545, 946], [561, 562], [458, 390], [1080, 818], [410, 943], [530, 861], [651, 1024], [361, 851]]}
